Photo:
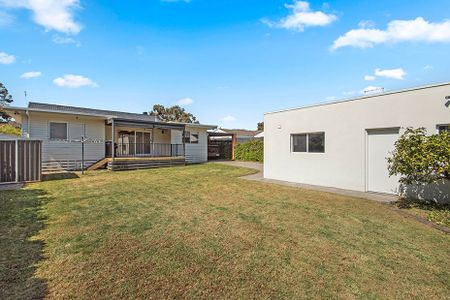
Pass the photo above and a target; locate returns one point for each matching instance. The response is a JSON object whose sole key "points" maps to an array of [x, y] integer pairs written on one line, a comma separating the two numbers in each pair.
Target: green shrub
{"points": [[9, 129], [250, 151]]}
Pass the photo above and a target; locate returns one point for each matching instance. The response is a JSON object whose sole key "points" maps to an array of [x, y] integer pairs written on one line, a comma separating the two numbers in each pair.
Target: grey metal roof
{"points": [[91, 111]]}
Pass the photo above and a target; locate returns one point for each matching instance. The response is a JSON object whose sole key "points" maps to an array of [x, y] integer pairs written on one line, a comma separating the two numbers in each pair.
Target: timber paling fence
{"points": [[20, 161]]}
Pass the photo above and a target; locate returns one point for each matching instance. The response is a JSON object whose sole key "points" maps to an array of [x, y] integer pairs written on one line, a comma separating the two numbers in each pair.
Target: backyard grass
{"points": [[201, 232]]}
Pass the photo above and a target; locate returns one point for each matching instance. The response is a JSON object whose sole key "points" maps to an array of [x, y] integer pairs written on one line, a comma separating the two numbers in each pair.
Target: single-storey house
{"points": [[344, 144], [122, 140]]}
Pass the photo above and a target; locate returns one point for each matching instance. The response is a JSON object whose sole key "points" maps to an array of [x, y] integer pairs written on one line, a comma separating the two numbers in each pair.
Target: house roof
{"points": [[90, 111], [108, 114], [365, 97], [241, 132], [260, 135]]}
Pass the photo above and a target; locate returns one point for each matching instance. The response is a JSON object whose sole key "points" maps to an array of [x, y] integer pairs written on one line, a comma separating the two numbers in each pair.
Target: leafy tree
{"points": [[260, 126], [174, 114], [5, 98], [421, 158]]}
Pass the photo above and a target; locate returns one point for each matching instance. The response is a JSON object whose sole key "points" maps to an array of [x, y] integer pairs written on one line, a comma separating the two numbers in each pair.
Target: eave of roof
{"points": [[360, 98], [195, 125], [106, 117]]}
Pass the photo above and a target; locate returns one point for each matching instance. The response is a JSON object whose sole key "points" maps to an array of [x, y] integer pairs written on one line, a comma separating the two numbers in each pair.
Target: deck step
{"points": [[121, 165], [99, 164]]}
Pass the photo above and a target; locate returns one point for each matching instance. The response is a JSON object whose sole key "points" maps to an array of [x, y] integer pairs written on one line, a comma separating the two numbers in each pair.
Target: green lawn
{"points": [[201, 232]]}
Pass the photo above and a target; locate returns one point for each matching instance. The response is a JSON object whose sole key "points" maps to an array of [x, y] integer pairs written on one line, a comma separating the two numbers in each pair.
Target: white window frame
{"points": [[50, 132], [190, 134], [307, 142]]}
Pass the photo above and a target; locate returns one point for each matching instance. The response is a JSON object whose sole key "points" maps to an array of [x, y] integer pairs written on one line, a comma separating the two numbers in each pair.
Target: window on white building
{"points": [[308, 142]]}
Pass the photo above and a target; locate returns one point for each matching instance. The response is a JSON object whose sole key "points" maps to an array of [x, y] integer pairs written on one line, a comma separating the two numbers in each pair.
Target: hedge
{"points": [[250, 151]]}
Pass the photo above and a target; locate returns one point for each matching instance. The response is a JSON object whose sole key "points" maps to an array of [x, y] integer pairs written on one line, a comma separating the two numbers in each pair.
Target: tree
{"points": [[174, 114], [260, 126], [421, 158], [10, 129], [5, 98]]}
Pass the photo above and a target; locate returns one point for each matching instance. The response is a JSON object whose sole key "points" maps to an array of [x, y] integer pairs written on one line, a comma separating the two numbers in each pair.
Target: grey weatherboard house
{"points": [[140, 140]]}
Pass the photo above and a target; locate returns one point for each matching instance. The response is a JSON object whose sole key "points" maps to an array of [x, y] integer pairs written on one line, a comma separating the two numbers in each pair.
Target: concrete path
{"points": [[385, 198]]}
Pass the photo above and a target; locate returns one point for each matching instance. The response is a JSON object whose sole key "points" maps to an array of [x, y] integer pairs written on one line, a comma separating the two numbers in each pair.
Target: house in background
{"points": [[344, 144], [120, 139], [223, 141]]}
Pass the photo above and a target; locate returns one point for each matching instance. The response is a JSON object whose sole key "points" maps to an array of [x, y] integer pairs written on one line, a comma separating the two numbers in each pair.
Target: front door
{"points": [[380, 143]]}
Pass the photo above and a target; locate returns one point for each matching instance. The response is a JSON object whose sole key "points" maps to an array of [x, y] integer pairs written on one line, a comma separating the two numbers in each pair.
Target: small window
{"points": [[442, 128], [58, 131], [299, 142], [194, 138], [308, 142]]}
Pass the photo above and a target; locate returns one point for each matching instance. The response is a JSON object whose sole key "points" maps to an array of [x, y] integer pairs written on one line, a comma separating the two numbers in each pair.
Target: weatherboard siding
{"points": [[195, 153], [58, 154]]}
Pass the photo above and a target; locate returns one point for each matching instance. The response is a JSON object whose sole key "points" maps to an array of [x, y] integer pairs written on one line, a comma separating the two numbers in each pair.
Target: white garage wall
{"points": [[343, 165]]}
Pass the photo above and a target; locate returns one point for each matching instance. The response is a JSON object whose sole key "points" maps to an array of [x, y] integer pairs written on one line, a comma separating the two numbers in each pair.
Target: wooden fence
{"points": [[20, 161]]}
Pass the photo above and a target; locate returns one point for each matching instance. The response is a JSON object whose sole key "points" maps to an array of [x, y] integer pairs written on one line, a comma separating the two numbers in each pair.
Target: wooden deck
{"points": [[134, 163]]}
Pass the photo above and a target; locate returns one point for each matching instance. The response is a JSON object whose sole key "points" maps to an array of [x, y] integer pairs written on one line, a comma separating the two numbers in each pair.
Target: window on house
{"points": [[442, 128], [58, 131], [194, 137], [191, 137], [308, 142]]}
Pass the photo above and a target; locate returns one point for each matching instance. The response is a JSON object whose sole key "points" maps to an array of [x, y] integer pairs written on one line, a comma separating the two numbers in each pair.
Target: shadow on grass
{"points": [[422, 204], [21, 219], [59, 176]]}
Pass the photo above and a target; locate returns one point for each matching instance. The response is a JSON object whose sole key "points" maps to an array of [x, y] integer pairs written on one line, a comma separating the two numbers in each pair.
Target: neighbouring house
{"points": [[242, 135], [121, 140], [344, 144], [222, 141], [259, 136]]}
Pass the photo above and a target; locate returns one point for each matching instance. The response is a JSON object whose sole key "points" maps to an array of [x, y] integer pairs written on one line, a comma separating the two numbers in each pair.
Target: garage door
{"points": [[380, 143]]}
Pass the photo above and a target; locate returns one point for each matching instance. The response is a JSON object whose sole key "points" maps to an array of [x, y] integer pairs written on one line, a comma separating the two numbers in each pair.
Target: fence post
{"points": [[82, 155], [16, 161]]}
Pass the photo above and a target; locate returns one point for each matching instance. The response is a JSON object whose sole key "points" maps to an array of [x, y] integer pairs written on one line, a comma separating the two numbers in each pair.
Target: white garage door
{"points": [[380, 144]]}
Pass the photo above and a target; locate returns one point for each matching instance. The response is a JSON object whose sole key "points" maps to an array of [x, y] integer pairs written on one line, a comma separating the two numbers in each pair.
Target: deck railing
{"points": [[145, 150]]}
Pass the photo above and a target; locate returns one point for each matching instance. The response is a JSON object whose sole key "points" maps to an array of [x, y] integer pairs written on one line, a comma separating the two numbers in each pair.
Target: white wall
{"points": [[343, 165], [67, 154]]}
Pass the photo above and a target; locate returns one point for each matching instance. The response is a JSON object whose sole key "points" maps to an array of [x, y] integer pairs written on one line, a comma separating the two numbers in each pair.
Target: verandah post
{"points": [[113, 142]]}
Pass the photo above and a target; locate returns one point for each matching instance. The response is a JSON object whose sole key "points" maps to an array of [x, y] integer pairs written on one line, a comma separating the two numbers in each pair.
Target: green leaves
{"points": [[421, 158], [5, 98], [250, 151], [173, 114]]}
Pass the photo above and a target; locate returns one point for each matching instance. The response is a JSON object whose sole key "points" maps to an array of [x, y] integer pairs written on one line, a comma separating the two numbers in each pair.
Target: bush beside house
{"points": [[250, 151], [9, 129]]}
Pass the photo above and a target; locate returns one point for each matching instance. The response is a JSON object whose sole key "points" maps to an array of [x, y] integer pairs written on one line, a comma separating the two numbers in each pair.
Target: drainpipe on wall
{"points": [[28, 124]]}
